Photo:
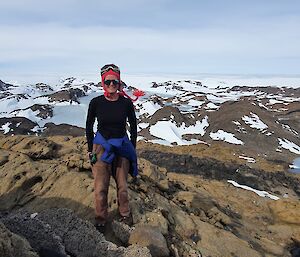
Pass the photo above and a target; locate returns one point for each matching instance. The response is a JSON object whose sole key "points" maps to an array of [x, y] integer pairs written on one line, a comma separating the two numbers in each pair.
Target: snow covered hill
{"points": [[260, 120]]}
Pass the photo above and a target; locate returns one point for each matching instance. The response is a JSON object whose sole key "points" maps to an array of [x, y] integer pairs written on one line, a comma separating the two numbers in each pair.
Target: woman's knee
{"points": [[102, 195]]}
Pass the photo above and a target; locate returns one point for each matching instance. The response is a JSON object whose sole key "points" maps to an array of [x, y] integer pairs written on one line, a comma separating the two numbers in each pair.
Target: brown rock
{"points": [[184, 224], [152, 171], [36, 147], [286, 211], [134, 251], [220, 243], [3, 157], [157, 220], [151, 238]]}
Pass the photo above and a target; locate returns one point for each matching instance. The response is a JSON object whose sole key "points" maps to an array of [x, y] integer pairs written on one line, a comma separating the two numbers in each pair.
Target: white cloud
{"points": [[30, 41], [88, 33]]}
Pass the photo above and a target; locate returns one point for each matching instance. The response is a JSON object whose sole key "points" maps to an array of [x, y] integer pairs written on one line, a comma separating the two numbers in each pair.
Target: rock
{"points": [[51, 129], [209, 215], [55, 231], [134, 251], [121, 231], [38, 234], [37, 147], [151, 238], [218, 242], [152, 171], [218, 218], [157, 220], [184, 224], [80, 237], [286, 211], [272, 247], [18, 126], [163, 185], [137, 210], [3, 157], [12, 245]]}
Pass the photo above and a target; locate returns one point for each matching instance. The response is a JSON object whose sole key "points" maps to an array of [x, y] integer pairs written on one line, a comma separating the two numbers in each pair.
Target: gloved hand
{"points": [[93, 158]]}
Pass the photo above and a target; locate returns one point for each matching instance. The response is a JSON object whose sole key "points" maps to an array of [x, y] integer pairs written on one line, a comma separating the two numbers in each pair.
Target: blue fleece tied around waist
{"points": [[117, 146]]}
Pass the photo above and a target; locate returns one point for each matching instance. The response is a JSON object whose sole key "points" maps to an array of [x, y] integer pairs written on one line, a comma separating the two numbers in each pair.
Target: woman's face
{"points": [[111, 88]]}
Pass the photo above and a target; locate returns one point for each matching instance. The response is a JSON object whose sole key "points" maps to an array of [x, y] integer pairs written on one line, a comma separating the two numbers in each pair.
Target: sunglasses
{"points": [[109, 81], [109, 67]]}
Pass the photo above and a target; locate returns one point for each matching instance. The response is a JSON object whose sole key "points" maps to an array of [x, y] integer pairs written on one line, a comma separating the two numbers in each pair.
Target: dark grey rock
{"points": [[80, 237], [12, 245], [60, 233], [40, 236]]}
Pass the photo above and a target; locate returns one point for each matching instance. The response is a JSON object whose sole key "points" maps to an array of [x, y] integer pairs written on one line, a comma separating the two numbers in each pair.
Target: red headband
{"points": [[137, 93], [109, 72]]}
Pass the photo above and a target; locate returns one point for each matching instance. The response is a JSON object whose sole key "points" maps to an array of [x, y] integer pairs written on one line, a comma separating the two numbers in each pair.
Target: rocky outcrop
{"points": [[12, 245], [151, 238], [70, 95], [51, 129], [46, 184], [58, 232], [18, 126], [40, 236], [42, 111], [4, 86]]}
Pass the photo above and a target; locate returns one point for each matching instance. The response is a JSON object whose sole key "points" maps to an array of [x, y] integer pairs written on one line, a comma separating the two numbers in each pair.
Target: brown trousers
{"points": [[102, 172]]}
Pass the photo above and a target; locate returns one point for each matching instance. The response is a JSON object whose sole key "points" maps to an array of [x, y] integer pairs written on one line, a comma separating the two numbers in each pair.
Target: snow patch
{"points": [[258, 192], [212, 106], [168, 131], [254, 122], [6, 127], [249, 159], [225, 136], [148, 108], [286, 144]]}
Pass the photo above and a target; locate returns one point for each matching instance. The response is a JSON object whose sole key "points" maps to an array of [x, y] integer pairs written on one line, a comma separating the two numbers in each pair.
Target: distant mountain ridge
{"points": [[257, 120]]}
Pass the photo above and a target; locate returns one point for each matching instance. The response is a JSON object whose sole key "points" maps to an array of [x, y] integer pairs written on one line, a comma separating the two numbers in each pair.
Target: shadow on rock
{"points": [[53, 230]]}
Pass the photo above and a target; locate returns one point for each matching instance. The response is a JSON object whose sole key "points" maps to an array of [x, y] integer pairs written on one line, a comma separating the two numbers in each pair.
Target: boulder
{"points": [[40, 236], [121, 231], [152, 171], [12, 245], [152, 238], [134, 251], [157, 220]]}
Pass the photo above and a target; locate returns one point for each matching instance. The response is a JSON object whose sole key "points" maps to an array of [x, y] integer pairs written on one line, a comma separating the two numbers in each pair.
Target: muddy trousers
{"points": [[102, 172]]}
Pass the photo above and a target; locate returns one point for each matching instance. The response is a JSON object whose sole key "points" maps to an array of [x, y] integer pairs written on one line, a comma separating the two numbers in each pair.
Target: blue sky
{"points": [[72, 37]]}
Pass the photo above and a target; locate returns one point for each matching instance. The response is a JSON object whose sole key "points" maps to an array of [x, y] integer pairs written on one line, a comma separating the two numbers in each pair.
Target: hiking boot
{"points": [[100, 224], [126, 220], [100, 227]]}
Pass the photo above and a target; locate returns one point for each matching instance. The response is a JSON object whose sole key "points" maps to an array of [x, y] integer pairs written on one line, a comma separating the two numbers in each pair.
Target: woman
{"points": [[110, 151]]}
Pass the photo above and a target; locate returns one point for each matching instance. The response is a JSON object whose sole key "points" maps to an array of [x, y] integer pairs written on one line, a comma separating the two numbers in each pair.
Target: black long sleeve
{"points": [[111, 117], [90, 120]]}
